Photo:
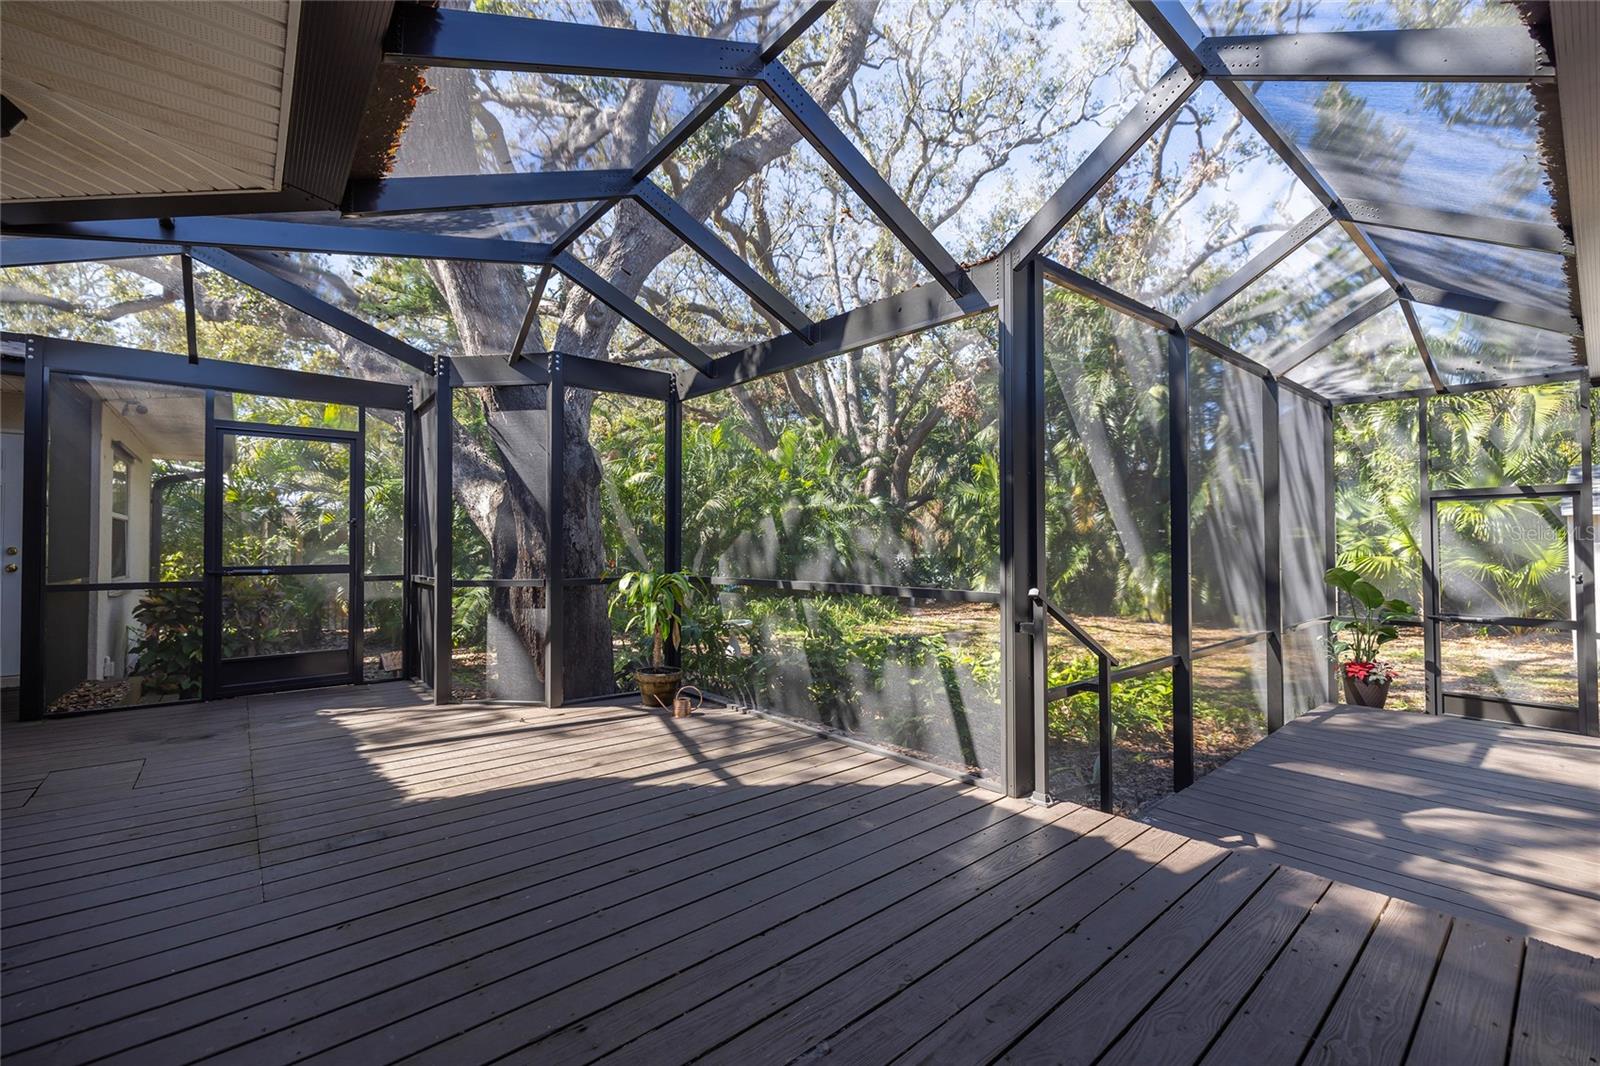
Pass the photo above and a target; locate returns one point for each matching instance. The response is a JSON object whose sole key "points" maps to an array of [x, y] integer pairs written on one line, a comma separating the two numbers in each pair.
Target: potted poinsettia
{"points": [[655, 604], [1354, 642]]}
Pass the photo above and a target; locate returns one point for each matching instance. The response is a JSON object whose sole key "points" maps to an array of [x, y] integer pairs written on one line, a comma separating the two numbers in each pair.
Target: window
{"points": [[121, 462]]}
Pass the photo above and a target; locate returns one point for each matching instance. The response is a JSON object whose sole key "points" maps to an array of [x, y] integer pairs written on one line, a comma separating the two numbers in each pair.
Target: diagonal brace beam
{"points": [[813, 123], [1158, 105], [618, 301], [1326, 336], [286, 292], [694, 233], [1259, 264]]}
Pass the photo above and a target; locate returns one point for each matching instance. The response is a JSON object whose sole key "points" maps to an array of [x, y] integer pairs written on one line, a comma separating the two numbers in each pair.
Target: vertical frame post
{"points": [[358, 550], [35, 445], [1182, 599], [1429, 531], [1330, 535], [211, 597], [443, 546], [1583, 531], [672, 506], [189, 309], [408, 509], [1022, 639], [1272, 553], [556, 555]]}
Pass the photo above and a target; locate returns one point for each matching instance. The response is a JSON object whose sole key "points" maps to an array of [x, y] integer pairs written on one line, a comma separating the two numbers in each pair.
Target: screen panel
{"points": [[1108, 543]]}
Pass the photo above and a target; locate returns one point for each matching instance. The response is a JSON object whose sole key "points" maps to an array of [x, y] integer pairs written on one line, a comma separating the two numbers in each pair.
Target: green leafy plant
{"points": [[654, 605], [1355, 641], [171, 647]]}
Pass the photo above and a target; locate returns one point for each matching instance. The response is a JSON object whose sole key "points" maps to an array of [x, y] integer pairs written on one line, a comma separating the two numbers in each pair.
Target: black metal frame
{"points": [[294, 669], [47, 356], [1011, 283], [1585, 717]]}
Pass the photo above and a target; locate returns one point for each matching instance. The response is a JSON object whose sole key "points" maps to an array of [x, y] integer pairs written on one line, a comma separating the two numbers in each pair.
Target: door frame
{"points": [[1565, 717], [43, 356], [215, 682]]}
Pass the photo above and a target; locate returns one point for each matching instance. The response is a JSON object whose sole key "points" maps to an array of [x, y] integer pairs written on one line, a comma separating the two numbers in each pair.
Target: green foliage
{"points": [[654, 604], [1493, 437], [171, 646], [1359, 639]]}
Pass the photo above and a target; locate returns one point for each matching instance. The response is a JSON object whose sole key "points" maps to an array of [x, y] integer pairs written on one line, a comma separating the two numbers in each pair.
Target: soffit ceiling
{"points": [[144, 98]]}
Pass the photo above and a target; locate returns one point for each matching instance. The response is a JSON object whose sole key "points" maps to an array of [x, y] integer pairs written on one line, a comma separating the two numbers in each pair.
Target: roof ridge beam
{"points": [[301, 300], [1458, 53]]}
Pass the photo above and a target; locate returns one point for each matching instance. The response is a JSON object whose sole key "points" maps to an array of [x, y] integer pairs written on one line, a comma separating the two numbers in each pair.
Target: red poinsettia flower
{"points": [[1376, 672]]}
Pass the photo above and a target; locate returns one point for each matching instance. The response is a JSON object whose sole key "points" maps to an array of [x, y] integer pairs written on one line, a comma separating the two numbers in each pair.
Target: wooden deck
{"points": [[1495, 823], [352, 877]]}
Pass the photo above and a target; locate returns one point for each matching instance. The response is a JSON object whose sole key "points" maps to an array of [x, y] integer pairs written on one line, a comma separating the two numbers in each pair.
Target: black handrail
{"points": [[1104, 661]]}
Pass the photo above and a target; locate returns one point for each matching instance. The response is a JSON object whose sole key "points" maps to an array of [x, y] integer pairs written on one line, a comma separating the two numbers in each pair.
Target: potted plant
{"points": [[655, 604], [1354, 642]]}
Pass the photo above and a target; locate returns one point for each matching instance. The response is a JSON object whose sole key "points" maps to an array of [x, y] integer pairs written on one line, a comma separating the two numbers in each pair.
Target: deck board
{"points": [[355, 875], [1494, 824]]}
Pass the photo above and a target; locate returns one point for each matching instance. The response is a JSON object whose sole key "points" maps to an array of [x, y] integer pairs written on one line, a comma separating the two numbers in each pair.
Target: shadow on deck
{"points": [[1495, 823], [354, 876]]}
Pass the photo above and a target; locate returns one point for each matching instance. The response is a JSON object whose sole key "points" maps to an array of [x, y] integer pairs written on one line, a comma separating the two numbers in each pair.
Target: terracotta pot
{"points": [[657, 684], [1365, 693]]}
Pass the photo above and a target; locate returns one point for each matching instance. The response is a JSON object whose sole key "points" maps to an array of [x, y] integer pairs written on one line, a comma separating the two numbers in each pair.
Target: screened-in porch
{"points": [[1148, 434]]}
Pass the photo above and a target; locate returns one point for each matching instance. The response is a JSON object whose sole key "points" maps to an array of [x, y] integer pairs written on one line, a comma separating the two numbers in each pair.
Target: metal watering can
{"points": [[681, 706]]}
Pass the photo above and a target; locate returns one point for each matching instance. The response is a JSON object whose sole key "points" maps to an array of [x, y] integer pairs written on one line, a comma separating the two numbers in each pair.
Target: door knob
{"points": [[11, 568], [11, 549]]}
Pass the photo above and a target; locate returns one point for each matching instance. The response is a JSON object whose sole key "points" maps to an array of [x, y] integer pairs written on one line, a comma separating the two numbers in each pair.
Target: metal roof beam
{"points": [[1326, 336], [1175, 27], [265, 235], [479, 191], [436, 37], [1158, 105], [1485, 307], [397, 196], [1259, 264], [813, 123], [1540, 237], [619, 301], [698, 116], [301, 300], [923, 307], [45, 251], [698, 236], [1471, 54], [1084, 285]]}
